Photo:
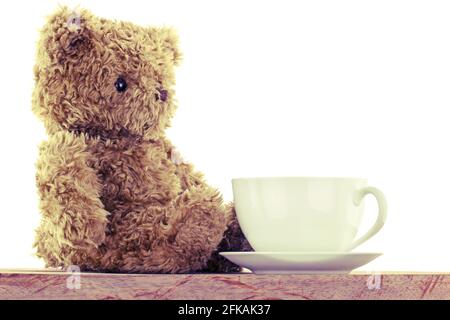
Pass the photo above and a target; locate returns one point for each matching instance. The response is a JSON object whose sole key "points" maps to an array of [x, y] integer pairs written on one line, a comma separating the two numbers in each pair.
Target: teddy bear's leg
{"points": [[183, 233], [233, 240], [199, 227]]}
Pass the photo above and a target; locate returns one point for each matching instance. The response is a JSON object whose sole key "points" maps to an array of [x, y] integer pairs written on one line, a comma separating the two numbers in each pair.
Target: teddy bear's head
{"points": [[104, 77]]}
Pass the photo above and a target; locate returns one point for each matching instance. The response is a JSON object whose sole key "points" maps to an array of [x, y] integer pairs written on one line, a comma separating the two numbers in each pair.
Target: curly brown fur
{"points": [[233, 240], [111, 198]]}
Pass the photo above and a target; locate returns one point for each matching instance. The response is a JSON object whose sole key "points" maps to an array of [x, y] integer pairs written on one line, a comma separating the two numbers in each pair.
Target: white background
{"points": [[316, 88]]}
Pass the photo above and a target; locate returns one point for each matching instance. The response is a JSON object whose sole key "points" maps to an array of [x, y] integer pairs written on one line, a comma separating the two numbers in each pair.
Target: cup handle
{"points": [[382, 212]]}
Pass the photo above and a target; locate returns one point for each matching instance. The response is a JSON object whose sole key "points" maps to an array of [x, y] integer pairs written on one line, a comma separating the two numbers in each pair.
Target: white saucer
{"points": [[300, 262]]}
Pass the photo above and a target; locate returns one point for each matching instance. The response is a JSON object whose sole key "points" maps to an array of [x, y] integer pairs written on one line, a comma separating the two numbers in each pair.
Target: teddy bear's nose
{"points": [[121, 84], [161, 95]]}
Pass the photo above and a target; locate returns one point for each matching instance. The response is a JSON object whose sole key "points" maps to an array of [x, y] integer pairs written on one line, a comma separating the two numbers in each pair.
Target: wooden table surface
{"points": [[44, 284]]}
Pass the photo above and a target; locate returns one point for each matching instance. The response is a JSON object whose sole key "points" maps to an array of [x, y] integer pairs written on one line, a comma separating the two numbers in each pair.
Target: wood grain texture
{"points": [[56, 285]]}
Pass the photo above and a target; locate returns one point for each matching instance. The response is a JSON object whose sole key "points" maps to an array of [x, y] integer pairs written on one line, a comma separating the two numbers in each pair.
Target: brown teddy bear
{"points": [[114, 195]]}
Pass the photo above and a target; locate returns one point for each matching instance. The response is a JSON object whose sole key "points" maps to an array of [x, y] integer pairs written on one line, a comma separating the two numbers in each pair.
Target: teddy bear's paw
{"points": [[176, 158]]}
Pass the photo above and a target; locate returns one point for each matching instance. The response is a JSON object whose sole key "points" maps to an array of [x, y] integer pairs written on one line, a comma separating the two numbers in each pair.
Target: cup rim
{"points": [[262, 178]]}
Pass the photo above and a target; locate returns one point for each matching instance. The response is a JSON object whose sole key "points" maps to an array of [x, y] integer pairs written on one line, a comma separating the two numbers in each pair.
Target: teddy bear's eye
{"points": [[121, 84]]}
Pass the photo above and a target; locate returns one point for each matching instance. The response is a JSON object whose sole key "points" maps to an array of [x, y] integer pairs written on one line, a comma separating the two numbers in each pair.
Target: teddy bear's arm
{"points": [[74, 220]]}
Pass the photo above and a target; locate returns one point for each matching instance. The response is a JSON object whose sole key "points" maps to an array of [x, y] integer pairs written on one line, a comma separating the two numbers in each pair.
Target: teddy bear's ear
{"points": [[67, 34], [168, 42]]}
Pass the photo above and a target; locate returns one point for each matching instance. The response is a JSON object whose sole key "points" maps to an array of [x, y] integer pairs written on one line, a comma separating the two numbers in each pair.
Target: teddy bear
{"points": [[115, 196]]}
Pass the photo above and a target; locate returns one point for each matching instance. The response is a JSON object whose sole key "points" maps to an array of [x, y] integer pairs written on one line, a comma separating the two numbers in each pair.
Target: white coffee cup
{"points": [[304, 214]]}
